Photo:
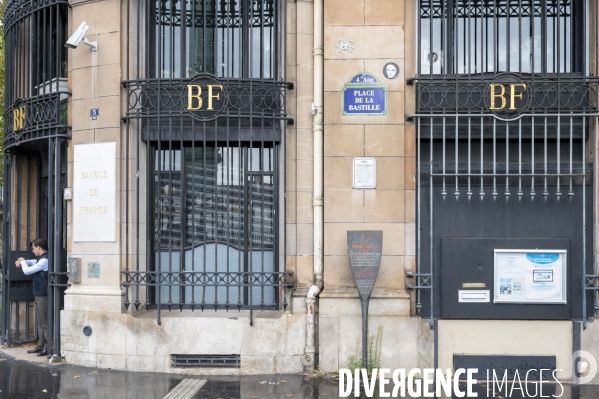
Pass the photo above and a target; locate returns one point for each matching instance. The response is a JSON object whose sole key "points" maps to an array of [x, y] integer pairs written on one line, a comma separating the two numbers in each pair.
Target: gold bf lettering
{"points": [[18, 118], [501, 95], [197, 89]]}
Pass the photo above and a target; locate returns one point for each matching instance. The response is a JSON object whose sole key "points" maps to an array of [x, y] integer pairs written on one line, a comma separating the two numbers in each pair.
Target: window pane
{"points": [[495, 36], [218, 219], [219, 37]]}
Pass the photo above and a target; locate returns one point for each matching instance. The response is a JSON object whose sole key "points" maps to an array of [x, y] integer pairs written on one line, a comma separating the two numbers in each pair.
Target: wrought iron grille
{"points": [[524, 36], [36, 86], [263, 99], [227, 38], [212, 186], [472, 144]]}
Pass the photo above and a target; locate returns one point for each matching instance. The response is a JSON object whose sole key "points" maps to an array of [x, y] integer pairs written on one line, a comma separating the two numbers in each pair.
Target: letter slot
{"points": [[474, 295]]}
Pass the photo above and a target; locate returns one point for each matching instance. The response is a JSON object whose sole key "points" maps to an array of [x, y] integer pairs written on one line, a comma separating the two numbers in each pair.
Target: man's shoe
{"points": [[43, 353], [35, 350]]}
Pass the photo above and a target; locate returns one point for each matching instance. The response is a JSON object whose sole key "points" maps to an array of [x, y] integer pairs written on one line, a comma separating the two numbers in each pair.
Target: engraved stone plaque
{"points": [[94, 197], [364, 249]]}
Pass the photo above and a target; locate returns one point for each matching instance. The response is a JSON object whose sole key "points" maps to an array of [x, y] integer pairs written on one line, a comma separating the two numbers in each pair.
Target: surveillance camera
{"points": [[79, 35], [76, 37]]}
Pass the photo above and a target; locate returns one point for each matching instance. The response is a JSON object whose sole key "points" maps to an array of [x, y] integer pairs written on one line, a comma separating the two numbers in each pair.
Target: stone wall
{"points": [[381, 31]]}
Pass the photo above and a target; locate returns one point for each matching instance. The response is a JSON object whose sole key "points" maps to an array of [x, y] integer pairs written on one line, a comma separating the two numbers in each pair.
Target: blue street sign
{"points": [[94, 113], [364, 95]]}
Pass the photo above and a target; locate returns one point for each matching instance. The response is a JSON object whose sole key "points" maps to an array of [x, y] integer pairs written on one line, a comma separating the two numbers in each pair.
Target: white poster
{"points": [[364, 173], [530, 276], [94, 192]]}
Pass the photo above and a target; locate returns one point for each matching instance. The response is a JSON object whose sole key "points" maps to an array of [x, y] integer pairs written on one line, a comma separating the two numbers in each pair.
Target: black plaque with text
{"points": [[364, 248]]}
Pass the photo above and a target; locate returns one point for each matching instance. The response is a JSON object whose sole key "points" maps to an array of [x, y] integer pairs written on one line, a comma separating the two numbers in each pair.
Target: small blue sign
{"points": [[364, 95], [542, 258], [94, 113]]}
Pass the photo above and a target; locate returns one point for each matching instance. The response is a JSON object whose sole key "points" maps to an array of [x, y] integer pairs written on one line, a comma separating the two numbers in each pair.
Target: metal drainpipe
{"points": [[318, 201]]}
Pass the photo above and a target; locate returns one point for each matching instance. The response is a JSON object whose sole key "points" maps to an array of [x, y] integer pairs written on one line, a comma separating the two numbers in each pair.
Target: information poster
{"points": [[364, 173], [530, 276]]}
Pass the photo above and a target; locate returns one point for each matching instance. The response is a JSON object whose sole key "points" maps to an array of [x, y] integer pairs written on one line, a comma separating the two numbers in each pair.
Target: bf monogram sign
{"points": [[206, 97], [498, 98], [507, 96], [18, 118]]}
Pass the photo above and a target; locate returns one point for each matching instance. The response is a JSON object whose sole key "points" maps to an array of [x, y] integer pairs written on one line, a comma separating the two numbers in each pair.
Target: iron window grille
{"points": [[36, 67], [212, 185], [468, 150]]}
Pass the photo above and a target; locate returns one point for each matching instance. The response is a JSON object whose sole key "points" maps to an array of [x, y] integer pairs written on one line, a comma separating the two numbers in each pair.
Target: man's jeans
{"points": [[41, 320]]}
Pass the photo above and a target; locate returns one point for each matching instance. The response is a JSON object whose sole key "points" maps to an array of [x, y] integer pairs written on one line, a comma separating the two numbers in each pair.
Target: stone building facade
{"points": [[202, 178]]}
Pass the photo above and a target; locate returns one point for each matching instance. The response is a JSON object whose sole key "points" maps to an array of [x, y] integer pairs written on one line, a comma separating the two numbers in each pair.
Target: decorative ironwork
{"points": [[45, 116], [208, 279], [497, 8], [168, 98], [469, 96], [220, 14], [19, 9], [225, 281]]}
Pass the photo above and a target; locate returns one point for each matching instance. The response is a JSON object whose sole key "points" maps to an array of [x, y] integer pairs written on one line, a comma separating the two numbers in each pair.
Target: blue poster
{"points": [[364, 95]]}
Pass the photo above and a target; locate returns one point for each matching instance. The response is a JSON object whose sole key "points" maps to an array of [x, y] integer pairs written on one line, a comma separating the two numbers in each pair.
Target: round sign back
{"points": [[205, 98]]}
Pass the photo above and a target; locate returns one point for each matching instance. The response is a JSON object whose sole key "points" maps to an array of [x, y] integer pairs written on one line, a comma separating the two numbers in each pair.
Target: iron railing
{"points": [[236, 287]]}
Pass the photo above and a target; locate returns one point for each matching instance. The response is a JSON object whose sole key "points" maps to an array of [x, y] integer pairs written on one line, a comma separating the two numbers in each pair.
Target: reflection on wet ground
{"points": [[23, 380]]}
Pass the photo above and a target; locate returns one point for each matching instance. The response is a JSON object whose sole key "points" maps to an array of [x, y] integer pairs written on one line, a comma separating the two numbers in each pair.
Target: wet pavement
{"points": [[24, 379]]}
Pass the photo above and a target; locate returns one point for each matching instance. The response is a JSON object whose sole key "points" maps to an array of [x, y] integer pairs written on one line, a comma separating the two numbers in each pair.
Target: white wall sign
{"points": [[364, 172], [530, 276], [94, 184]]}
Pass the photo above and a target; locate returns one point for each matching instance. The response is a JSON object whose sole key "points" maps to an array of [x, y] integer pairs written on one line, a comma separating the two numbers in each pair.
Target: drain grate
{"points": [[221, 361]]}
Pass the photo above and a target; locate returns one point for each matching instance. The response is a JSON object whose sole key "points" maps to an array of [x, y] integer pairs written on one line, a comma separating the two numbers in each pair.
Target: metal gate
{"points": [[36, 133], [34, 184], [507, 125]]}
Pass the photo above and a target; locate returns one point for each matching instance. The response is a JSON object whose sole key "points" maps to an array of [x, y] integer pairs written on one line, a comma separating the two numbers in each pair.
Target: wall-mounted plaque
{"points": [[364, 249], [364, 95], [94, 197], [364, 173], [530, 276]]}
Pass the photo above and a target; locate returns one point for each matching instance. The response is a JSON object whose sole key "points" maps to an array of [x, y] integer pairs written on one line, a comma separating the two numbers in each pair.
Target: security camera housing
{"points": [[77, 36]]}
